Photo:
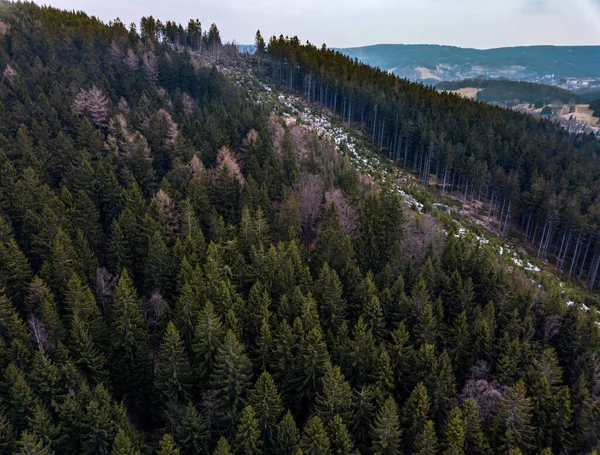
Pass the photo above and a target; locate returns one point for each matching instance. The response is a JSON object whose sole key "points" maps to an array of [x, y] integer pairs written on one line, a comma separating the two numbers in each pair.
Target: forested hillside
{"points": [[183, 272], [537, 179], [506, 91]]}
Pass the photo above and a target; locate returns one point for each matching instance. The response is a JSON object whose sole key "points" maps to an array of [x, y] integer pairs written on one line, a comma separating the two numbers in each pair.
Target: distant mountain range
{"points": [[433, 63]]}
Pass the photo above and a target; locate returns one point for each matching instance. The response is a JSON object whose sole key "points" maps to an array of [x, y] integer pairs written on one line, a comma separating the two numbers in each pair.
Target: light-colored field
{"points": [[583, 114], [425, 73], [467, 92]]}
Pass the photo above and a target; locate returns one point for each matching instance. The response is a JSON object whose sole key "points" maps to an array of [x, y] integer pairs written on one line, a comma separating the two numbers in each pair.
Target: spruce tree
{"points": [[287, 436], [167, 446], [513, 419], [335, 399], [247, 436], [426, 442], [173, 376], [191, 433], [454, 433], [30, 444], [266, 402], [386, 433], [222, 447], [230, 379], [341, 440], [130, 358], [208, 338], [475, 441], [415, 413], [122, 445], [314, 440]]}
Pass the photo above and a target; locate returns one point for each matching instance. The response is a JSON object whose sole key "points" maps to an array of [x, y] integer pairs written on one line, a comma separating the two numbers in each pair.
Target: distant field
{"points": [[583, 114], [467, 92]]}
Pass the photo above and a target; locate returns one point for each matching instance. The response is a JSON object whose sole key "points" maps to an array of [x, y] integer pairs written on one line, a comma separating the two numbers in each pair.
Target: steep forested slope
{"points": [[181, 271], [536, 177]]}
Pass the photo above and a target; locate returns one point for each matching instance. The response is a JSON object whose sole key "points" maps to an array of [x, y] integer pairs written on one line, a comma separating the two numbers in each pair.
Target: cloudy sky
{"points": [[346, 23]]}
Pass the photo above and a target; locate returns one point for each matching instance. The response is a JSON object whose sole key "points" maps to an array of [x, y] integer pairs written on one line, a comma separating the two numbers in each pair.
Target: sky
{"points": [[481, 24]]}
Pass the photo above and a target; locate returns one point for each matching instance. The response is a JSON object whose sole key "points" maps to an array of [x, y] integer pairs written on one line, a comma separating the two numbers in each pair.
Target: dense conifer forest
{"points": [[183, 273]]}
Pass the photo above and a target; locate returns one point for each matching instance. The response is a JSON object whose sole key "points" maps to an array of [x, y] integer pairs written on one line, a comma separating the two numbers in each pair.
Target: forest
{"points": [[181, 272], [513, 92], [539, 181]]}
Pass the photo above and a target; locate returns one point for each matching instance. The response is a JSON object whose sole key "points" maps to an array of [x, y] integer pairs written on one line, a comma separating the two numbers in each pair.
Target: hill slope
{"points": [[195, 260], [454, 63]]}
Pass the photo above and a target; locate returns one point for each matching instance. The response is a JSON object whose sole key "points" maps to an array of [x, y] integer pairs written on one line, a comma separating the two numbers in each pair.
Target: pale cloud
{"points": [[344, 23]]}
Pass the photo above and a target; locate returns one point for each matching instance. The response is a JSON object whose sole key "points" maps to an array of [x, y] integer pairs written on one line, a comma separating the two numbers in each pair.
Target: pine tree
{"points": [[230, 378], [40, 424], [266, 402], [173, 376], [7, 433], [314, 440], [167, 446], [386, 431], [191, 433], [426, 442], [247, 437], [340, 437], [287, 436]]}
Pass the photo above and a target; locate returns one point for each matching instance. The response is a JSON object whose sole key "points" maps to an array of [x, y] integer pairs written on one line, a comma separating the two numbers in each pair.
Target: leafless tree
{"points": [[309, 192], [171, 129], [167, 207], [4, 28], [150, 63], [38, 333], [94, 103], [154, 309], [105, 286], [188, 104], [346, 213], [123, 107], [10, 74], [196, 167], [132, 61], [116, 53], [226, 159], [485, 393]]}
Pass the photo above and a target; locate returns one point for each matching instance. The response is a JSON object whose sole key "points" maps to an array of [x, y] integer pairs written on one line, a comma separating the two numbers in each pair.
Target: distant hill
{"points": [[432, 63], [507, 92]]}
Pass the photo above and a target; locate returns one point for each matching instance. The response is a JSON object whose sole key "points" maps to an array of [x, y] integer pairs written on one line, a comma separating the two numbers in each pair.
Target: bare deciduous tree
{"points": [[171, 128], [347, 214], [309, 192], [485, 393], [188, 104], [10, 74], [225, 158], [196, 166], [94, 103], [105, 285], [38, 333], [132, 61], [116, 53], [167, 207], [150, 63], [4, 28]]}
